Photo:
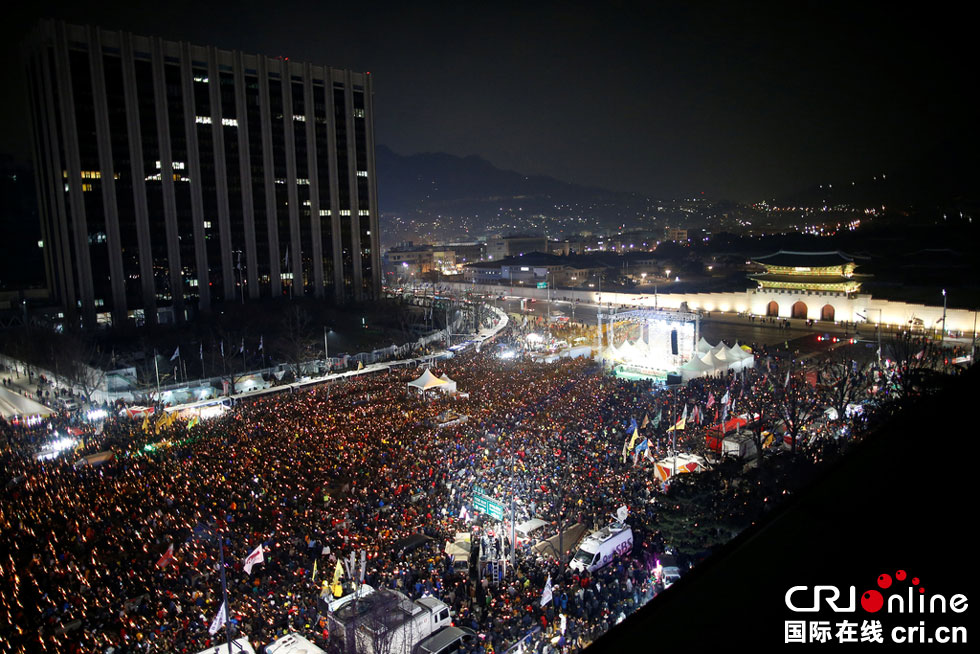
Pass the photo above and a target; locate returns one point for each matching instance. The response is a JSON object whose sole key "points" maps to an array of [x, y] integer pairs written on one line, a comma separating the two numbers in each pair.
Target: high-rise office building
{"points": [[173, 177]]}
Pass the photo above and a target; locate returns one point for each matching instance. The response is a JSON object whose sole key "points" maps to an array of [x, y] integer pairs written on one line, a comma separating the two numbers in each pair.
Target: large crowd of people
{"points": [[347, 466]]}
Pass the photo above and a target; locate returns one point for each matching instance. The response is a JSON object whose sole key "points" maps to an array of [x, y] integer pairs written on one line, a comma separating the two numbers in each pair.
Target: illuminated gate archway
{"points": [[827, 313], [799, 310], [772, 309]]}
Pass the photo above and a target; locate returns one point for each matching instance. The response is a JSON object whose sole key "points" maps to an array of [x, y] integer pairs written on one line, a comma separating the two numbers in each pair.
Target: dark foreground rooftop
{"points": [[895, 502]]}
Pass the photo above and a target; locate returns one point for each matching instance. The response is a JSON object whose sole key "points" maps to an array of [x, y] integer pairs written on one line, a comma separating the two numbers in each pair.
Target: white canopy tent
{"points": [[721, 353], [745, 359], [426, 382], [450, 385], [698, 367], [14, 404], [743, 352], [709, 361]]}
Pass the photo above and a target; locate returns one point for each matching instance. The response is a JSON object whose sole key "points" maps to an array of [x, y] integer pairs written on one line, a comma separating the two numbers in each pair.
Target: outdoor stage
{"points": [[647, 343]]}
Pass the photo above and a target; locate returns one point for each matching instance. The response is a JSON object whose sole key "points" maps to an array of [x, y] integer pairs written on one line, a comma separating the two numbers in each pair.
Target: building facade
{"points": [[173, 177], [512, 246], [534, 269]]}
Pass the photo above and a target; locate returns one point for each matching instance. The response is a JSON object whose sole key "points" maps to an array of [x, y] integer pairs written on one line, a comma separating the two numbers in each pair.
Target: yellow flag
{"points": [[146, 421], [636, 436], [679, 425], [360, 365], [314, 570], [339, 570]]}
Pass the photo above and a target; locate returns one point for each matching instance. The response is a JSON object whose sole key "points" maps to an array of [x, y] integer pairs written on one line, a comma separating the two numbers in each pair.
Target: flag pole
{"points": [[224, 591], [673, 446], [156, 365]]}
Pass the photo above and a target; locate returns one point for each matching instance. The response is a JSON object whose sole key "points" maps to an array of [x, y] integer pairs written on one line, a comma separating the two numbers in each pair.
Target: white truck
{"points": [[293, 643], [601, 547], [239, 646], [387, 622]]}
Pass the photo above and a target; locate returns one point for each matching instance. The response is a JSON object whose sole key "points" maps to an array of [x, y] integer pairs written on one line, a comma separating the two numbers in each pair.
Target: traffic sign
{"points": [[484, 504], [542, 284]]}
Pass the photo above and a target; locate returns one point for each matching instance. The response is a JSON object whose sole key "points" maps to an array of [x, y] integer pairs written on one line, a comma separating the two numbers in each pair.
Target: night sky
{"points": [[741, 101]]}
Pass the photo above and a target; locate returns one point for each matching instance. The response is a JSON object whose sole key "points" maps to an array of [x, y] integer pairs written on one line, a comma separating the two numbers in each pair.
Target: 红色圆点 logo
{"points": [[877, 615]]}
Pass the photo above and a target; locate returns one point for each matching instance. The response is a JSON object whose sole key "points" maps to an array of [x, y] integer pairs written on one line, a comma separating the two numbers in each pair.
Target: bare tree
{"points": [[913, 373], [796, 402], [81, 363], [295, 345], [841, 382]]}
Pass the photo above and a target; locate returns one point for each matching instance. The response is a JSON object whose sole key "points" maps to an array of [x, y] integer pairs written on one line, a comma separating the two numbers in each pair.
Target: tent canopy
{"points": [[721, 352], [449, 386], [699, 366], [426, 381], [710, 360], [738, 352]]}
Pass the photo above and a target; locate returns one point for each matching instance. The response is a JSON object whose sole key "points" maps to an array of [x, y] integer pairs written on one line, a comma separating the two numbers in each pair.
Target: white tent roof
{"points": [[704, 364], [14, 404], [738, 352], [426, 381], [449, 386], [697, 365], [702, 346], [721, 353]]}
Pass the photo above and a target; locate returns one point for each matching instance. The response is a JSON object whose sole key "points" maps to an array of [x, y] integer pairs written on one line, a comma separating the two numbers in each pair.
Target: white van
{"points": [[601, 547], [669, 575]]}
